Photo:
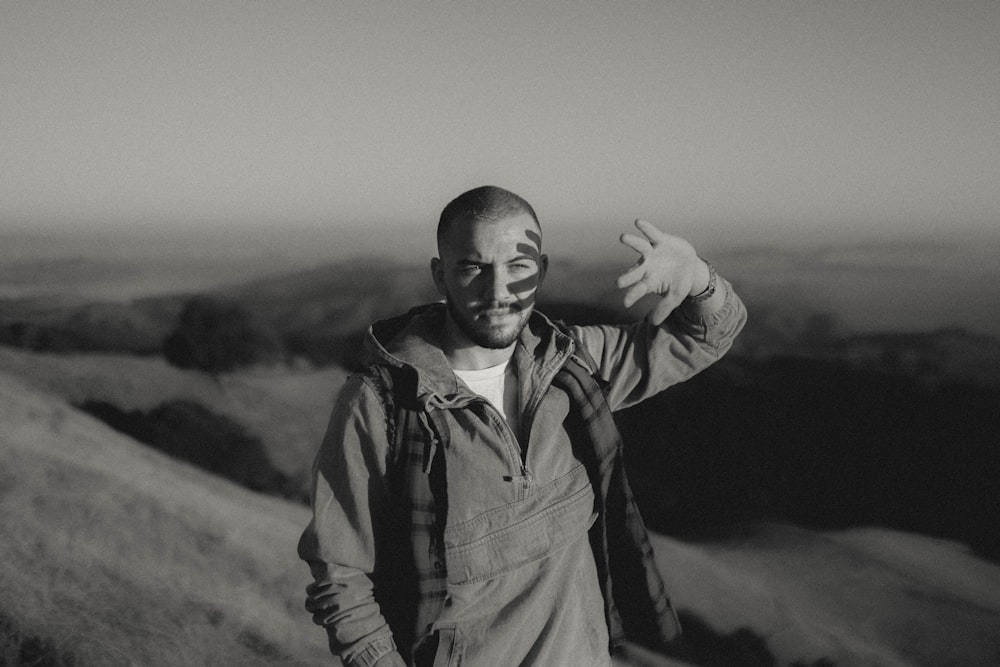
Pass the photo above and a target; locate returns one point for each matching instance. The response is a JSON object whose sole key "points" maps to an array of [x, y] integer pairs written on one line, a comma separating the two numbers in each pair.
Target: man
{"points": [[469, 497]]}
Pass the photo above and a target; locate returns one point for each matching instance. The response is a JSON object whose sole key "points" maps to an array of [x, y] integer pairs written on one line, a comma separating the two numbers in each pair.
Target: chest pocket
{"points": [[500, 540]]}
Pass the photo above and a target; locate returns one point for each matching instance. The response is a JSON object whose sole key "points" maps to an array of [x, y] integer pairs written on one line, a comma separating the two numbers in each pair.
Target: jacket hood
{"points": [[409, 345]]}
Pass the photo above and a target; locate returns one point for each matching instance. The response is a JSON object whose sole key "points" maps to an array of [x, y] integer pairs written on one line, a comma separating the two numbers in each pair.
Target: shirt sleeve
{"points": [[640, 360], [349, 499]]}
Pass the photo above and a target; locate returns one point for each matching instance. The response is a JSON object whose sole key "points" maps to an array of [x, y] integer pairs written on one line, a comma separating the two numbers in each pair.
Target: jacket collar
{"points": [[410, 345]]}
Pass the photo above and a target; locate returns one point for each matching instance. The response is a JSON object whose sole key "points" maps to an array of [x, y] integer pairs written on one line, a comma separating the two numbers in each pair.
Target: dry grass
{"points": [[286, 408], [116, 555], [113, 554], [855, 597]]}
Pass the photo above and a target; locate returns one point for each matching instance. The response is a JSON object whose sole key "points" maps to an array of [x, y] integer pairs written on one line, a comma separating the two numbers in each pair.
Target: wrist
{"points": [[704, 284], [710, 299]]}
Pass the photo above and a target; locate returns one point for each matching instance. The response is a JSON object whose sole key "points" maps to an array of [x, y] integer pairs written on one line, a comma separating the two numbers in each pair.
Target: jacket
{"points": [[522, 578]]}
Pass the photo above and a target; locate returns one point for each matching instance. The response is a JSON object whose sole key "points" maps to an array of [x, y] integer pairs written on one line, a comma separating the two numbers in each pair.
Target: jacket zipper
{"points": [[513, 447], [530, 408]]}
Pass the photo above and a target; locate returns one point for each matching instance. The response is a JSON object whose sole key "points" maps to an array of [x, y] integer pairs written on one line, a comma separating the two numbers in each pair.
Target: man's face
{"points": [[488, 273]]}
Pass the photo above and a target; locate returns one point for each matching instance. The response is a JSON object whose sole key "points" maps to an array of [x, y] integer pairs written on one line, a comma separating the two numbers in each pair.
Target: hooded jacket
{"points": [[522, 582]]}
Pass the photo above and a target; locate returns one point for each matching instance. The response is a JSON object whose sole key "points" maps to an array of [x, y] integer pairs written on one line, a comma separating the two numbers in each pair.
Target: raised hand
{"points": [[667, 265]]}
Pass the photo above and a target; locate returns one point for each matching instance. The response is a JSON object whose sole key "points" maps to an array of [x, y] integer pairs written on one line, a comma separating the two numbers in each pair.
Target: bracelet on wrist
{"points": [[706, 293]]}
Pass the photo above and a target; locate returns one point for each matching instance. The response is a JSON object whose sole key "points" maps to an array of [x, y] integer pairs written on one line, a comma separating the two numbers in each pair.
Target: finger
{"points": [[634, 293], [650, 231], [633, 275], [637, 243], [666, 306]]}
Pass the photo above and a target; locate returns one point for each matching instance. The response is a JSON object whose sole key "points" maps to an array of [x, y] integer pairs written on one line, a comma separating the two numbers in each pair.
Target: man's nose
{"points": [[497, 286]]}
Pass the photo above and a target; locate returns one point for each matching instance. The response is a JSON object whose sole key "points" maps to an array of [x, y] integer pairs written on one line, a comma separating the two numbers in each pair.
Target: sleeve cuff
{"points": [[371, 653], [696, 316]]}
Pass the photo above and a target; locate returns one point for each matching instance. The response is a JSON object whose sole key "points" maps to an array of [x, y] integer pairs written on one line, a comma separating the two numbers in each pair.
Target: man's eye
{"points": [[469, 269], [523, 266]]}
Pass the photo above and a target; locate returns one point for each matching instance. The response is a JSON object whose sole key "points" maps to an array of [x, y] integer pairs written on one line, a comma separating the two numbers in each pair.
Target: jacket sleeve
{"points": [[349, 499], [641, 360]]}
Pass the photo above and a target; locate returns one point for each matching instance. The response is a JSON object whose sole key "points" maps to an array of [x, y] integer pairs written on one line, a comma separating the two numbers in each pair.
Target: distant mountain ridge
{"points": [[321, 312]]}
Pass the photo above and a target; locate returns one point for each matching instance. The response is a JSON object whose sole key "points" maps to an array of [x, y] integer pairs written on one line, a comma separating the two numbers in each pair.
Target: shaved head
{"points": [[486, 203]]}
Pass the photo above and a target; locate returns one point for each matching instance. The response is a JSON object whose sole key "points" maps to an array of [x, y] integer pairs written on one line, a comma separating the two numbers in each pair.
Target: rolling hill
{"points": [[114, 554], [285, 408]]}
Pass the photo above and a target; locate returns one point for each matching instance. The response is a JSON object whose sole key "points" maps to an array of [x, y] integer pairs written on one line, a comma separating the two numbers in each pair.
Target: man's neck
{"points": [[464, 355]]}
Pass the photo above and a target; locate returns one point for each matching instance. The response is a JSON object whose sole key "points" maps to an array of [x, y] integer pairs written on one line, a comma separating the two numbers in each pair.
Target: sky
{"points": [[748, 122]]}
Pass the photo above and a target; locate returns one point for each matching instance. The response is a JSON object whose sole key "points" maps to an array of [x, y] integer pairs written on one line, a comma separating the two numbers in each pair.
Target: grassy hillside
{"points": [[788, 596], [114, 554], [284, 407]]}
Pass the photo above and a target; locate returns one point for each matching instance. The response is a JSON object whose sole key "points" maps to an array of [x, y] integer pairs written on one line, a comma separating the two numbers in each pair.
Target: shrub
{"points": [[218, 335], [188, 431]]}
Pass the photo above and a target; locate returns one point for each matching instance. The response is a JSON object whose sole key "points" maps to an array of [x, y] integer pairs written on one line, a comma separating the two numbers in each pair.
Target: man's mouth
{"points": [[497, 312]]}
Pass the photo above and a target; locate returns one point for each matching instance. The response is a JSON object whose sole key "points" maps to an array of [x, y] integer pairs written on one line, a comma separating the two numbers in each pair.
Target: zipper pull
{"points": [[525, 476]]}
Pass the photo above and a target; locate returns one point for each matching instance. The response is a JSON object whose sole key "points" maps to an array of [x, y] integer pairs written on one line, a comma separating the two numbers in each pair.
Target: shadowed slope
{"points": [[286, 409]]}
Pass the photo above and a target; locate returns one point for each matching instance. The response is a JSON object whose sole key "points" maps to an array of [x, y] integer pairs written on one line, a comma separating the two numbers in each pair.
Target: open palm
{"points": [[667, 266]]}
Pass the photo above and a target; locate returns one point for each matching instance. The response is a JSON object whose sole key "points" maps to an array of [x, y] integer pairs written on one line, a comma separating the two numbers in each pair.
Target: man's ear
{"points": [[437, 274], [543, 268]]}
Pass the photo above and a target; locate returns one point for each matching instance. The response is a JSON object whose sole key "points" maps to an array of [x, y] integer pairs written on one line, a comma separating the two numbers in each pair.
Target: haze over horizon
{"points": [[848, 150], [773, 122]]}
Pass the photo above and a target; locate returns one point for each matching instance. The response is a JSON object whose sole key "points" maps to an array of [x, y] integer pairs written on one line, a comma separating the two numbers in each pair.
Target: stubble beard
{"points": [[482, 334]]}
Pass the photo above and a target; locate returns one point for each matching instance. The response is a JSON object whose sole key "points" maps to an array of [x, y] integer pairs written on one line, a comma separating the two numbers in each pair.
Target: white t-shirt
{"points": [[498, 385]]}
